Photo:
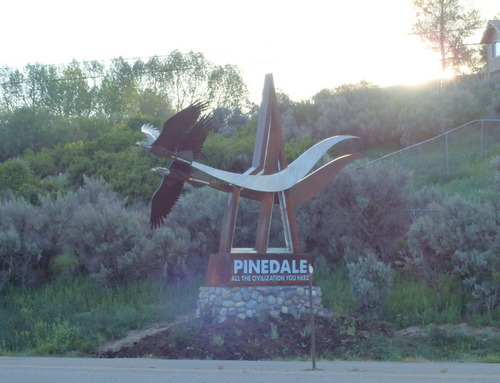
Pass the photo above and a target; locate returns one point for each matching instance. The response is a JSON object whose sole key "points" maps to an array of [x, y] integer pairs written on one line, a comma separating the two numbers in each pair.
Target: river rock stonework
{"points": [[221, 303]]}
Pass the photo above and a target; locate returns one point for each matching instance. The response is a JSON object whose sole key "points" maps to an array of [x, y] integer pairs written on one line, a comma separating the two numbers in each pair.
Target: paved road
{"points": [[87, 370]]}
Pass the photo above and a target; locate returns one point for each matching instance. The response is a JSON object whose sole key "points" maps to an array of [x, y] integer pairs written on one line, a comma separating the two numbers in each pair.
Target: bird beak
{"points": [[161, 171]]}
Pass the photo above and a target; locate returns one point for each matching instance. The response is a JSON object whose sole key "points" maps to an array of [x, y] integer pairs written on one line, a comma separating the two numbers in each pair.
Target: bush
{"points": [[357, 211], [164, 254], [199, 211], [460, 239], [93, 232], [91, 225], [100, 235], [370, 280], [16, 176], [456, 224], [480, 275], [23, 244]]}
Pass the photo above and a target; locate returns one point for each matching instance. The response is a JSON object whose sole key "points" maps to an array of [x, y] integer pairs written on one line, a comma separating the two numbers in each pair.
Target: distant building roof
{"points": [[492, 28]]}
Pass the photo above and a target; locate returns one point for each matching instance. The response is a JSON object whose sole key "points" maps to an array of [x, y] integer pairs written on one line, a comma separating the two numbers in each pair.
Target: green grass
{"points": [[413, 303], [59, 318], [434, 345], [337, 295], [467, 171], [474, 177]]}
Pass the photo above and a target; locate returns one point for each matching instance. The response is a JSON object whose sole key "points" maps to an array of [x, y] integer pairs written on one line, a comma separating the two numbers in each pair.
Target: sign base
{"points": [[222, 302]]}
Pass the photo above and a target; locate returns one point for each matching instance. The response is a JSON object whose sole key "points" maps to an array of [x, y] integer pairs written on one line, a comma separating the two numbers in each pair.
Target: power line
{"points": [[447, 30], [103, 76], [91, 61]]}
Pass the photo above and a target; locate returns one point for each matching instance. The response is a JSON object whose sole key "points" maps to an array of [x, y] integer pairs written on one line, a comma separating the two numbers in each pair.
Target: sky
{"points": [[307, 45]]}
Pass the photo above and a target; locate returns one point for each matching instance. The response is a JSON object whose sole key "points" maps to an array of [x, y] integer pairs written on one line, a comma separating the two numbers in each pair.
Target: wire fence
{"points": [[445, 154]]}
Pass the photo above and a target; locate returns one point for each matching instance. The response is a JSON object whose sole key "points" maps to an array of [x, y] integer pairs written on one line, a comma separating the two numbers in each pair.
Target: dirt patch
{"points": [[135, 337], [252, 339]]}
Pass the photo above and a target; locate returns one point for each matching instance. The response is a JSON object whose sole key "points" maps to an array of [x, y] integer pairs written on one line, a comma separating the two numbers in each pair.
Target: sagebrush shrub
{"points": [[460, 238], [455, 224], [480, 275], [358, 210], [199, 211], [101, 232], [164, 254], [94, 232], [370, 280], [23, 243]]}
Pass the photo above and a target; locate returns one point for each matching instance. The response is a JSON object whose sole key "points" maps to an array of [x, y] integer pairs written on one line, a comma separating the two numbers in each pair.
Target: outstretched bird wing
{"points": [[164, 200], [195, 138], [167, 194], [176, 127]]}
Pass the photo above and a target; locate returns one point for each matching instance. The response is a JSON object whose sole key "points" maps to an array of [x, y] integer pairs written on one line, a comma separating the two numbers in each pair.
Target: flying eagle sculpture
{"points": [[182, 136], [181, 140]]}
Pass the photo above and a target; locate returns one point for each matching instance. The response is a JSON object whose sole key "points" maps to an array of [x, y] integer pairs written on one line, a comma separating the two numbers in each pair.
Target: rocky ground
{"points": [[250, 339]]}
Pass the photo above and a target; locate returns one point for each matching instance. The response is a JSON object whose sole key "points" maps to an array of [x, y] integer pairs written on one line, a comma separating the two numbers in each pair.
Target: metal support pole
{"points": [[313, 334], [229, 222]]}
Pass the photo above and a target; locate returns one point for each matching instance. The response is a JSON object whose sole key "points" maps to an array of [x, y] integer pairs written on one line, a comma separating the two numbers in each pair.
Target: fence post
{"points": [[447, 156]]}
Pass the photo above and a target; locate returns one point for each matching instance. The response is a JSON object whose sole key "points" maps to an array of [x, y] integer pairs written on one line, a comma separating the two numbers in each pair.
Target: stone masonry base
{"points": [[221, 303]]}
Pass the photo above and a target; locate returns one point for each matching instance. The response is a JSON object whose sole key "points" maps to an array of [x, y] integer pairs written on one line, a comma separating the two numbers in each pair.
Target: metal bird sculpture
{"points": [[182, 140], [182, 136]]}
